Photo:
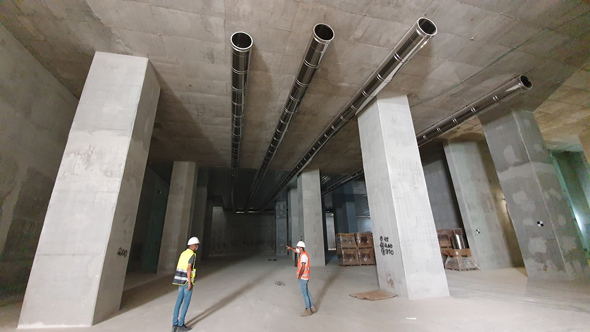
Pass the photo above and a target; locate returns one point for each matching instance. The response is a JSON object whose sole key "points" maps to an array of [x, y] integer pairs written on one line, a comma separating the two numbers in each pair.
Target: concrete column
{"points": [[206, 241], [488, 228], [409, 263], [339, 214], [178, 215], [199, 213], [345, 209], [296, 233], [585, 142], [544, 224], [79, 269], [281, 225], [310, 212]]}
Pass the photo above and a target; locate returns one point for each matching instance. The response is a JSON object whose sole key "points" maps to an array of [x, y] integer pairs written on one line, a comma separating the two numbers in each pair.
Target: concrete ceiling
{"points": [[480, 44]]}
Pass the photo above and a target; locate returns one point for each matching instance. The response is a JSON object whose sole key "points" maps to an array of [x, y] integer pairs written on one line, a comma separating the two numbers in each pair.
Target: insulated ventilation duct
{"points": [[318, 44], [508, 90], [503, 93], [416, 37], [241, 44]]}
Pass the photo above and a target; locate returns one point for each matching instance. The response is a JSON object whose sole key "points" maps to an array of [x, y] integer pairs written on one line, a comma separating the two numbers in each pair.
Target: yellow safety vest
{"points": [[180, 277]]}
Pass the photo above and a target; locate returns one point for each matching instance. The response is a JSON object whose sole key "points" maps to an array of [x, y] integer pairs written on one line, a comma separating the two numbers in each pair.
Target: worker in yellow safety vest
{"points": [[303, 265], [184, 269]]}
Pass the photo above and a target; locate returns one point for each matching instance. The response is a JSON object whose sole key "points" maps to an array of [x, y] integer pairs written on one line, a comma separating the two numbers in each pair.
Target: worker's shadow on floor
{"points": [[229, 298], [334, 274]]}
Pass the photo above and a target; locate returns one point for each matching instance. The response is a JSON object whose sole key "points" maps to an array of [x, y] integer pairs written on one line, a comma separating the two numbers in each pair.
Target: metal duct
{"points": [[416, 37], [342, 181], [508, 90], [503, 93], [318, 44], [241, 44]]}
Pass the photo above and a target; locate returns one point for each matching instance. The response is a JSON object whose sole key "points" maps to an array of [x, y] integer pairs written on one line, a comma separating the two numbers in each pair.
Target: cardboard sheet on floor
{"points": [[375, 295]]}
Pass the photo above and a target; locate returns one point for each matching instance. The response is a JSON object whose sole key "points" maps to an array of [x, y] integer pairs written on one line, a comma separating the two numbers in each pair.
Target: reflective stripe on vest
{"points": [[180, 277], [305, 275]]}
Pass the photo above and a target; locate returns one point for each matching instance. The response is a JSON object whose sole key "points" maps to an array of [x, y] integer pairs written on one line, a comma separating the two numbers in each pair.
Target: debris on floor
{"points": [[375, 295], [279, 283]]}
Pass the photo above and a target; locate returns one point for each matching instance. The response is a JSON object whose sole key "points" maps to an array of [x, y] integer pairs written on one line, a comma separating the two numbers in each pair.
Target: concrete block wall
{"points": [[36, 112]]}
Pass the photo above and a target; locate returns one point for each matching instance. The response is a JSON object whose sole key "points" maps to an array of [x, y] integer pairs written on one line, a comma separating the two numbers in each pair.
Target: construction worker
{"points": [[303, 265], [184, 269]]}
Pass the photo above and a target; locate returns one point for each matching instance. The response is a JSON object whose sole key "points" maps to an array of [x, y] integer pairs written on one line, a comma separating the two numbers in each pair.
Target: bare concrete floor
{"points": [[242, 295]]}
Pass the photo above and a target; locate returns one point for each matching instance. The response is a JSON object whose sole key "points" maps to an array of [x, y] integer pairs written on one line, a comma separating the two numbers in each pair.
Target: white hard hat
{"points": [[301, 244], [193, 240]]}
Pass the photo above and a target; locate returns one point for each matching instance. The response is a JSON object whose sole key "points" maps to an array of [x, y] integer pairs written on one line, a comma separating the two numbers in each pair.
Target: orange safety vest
{"points": [[305, 275]]}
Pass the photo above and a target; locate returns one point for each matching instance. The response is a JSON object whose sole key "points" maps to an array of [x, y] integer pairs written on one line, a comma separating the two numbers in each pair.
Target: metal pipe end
{"points": [[525, 82], [426, 27], [241, 41], [323, 33]]}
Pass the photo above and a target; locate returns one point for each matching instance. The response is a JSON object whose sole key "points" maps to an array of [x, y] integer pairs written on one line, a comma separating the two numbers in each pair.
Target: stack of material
{"points": [[364, 242], [355, 249], [455, 255], [347, 249]]}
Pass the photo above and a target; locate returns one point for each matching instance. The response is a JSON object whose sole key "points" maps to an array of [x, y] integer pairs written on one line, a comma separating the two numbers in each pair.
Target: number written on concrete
{"points": [[122, 252], [386, 247]]}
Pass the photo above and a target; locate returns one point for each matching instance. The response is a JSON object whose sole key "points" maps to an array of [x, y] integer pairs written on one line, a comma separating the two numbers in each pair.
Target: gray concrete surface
{"points": [[295, 229], [179, 215], [488, 227], [311, 216], [242, 293], [82, 255], [36, 113], [199, 212], [408, 254], [545, 227], [281, 225]]}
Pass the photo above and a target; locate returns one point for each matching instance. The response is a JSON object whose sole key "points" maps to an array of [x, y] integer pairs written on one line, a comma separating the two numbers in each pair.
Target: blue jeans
{"points": [[305, 293], [184, 295]]}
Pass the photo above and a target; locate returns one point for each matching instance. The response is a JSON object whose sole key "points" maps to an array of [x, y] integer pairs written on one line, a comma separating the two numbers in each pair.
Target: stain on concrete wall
{"points": [[36, 113]]}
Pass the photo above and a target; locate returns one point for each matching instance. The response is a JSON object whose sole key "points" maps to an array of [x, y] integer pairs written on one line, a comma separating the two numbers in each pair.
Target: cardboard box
{"points": [[349, 257], [345, 241], [366, 256], [364, 240]]}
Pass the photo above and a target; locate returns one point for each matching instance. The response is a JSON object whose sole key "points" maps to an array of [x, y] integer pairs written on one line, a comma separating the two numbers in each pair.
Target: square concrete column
{"points": [[310, 212], [179, 214], [407, 250], [296, 231], [585, 142], [281, 225], [345, 209], [487, 225], [79, 268], [543, 221], [199, 214]]}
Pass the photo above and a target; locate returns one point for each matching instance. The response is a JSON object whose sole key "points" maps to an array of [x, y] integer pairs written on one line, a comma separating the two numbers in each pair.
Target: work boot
{"points": [[184, 328], [174, 327], [306, 313], [313, 310]]}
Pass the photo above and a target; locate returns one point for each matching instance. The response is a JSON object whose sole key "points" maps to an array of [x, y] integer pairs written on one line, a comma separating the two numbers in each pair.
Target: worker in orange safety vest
{"points": [[303, 276]]}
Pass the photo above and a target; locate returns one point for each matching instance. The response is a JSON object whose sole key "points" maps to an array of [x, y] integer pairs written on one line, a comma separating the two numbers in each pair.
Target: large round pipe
{"points": [[414, 39], [321, 37], [241, 44], [505, 92]]}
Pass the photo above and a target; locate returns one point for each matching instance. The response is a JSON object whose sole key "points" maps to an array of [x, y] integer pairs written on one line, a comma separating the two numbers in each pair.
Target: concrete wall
{"points": [[233, 233], [36, 113], [440, 188]]}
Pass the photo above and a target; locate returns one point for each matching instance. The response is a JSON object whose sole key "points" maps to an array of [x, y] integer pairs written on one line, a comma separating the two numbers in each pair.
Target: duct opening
{"points": [[323, 32], [241, 41], [427, 26], [526, 82]]}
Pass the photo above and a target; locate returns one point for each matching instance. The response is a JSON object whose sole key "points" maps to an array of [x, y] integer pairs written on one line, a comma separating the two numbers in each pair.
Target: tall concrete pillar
{"points": [[487, 225], [296, 231], [585, 141], [179, 213], [79, 268], [310, 212], [198, 221], [281, 225], [408, 254], [345, 209], [544, 224], [206, 241]]}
